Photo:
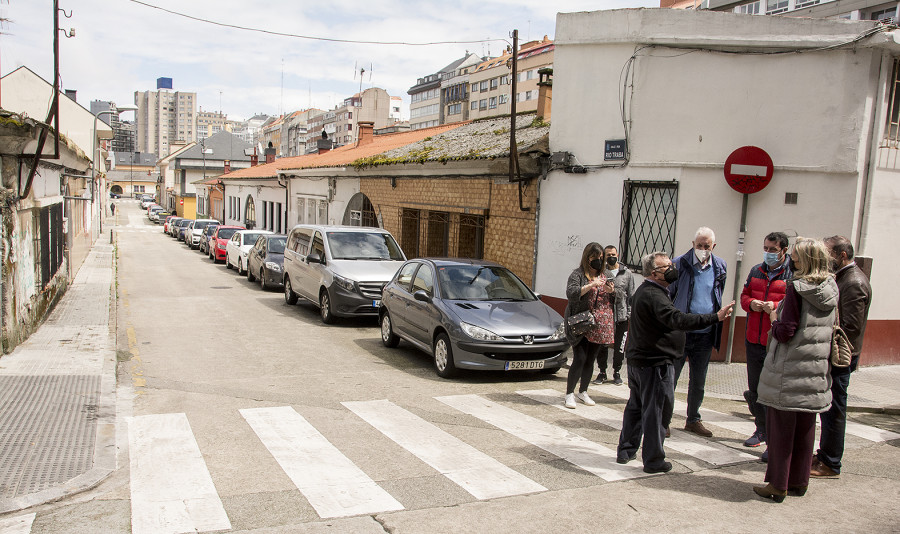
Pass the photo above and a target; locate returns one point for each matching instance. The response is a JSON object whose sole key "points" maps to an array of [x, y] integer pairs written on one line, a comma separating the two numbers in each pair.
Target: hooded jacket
{"points": [[795, 376]]}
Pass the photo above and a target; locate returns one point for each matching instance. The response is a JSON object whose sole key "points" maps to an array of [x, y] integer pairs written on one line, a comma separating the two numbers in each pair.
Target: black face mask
{"points": [[671, 275], [612, 261], [596, 264]]}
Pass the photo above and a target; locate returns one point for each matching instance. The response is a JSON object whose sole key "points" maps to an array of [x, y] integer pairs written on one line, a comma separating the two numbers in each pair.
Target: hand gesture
{"points": [[725, 312]]}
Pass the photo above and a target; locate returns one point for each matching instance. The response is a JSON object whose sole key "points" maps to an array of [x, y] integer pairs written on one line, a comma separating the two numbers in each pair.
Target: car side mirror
{"points": [[422, 296], [313, 257]]}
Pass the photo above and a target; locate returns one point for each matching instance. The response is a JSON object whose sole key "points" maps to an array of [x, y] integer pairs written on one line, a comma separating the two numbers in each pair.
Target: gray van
{"points": [[342, 269]]}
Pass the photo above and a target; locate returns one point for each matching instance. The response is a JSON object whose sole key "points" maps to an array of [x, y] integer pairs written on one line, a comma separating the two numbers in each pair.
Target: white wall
{"points": [[336, 191], [261, 192]]}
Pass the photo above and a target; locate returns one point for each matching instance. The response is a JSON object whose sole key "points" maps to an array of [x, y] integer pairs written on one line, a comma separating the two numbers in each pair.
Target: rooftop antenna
{"points": [[362, 72], [282, 86]]}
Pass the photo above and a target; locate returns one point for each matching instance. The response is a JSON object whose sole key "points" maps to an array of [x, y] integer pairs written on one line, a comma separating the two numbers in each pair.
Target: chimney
{"points": [[270, 154], [545, 93], [254, 158], [72, 93], [364, 132], [227, 166], [323, 144]]}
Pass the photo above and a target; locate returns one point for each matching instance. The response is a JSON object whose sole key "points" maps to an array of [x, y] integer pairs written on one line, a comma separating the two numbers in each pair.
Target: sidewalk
{"points": [[57, 394]]}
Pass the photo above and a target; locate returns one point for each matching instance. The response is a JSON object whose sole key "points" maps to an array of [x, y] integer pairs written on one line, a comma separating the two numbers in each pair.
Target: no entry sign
{"points": [[748, 169]]}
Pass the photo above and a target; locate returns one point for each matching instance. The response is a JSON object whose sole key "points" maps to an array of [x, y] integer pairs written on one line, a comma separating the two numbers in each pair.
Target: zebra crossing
{"points": [[172, 489]]}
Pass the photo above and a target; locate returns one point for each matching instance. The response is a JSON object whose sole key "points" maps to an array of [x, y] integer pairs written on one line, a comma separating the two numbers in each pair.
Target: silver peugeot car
{"points": [[471, 314]]}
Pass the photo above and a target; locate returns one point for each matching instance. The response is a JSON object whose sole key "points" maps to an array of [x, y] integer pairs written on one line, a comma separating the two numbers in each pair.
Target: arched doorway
{"points": [[360, 212], [250, 213], [117, 189]]}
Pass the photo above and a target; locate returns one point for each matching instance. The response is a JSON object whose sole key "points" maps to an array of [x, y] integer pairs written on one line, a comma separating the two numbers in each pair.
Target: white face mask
{"points": [[702, 255]]}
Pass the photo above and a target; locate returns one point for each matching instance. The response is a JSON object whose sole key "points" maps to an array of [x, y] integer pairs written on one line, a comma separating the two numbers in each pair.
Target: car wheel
{"points": [[289, 296], [240, 267], [262, 281], [227, 263], [443, 357], [325, 307], [388, 337], [250, 277]]}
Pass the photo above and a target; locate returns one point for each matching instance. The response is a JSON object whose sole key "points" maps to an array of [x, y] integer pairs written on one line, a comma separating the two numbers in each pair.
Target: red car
{"points": [[219, 240]]}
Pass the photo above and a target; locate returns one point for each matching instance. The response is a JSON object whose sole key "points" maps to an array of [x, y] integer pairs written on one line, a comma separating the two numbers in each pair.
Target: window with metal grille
{"points": [[437, 239], [892, 128], [250, 213], [648, 220], [471, 236], [409, 232]]}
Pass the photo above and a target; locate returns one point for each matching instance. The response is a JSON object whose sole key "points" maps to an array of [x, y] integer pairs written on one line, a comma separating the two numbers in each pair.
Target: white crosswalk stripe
{"points": [[709, 451], [171, 489], [20, 524], [575, 449], [474, 471], [333, 485]]}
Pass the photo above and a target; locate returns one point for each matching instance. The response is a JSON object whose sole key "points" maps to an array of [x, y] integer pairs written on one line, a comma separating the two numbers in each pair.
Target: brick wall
{"points": [[508, 231]]}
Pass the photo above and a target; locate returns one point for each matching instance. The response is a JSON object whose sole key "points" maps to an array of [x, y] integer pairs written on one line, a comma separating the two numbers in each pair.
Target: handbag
{"points": [[841, 349], [582, 322]]}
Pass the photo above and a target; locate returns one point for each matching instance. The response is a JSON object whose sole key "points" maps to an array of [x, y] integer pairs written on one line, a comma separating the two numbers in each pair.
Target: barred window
{"points": [[471, 237], [648, 220], [438, 236], [409, 232]]}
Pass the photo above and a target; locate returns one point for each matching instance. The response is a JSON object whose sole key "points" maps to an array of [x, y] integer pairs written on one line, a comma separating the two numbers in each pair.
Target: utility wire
{"points": [[311, 38]]}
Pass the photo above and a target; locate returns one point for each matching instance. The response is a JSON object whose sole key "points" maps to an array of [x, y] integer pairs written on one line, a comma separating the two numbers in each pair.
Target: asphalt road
{"points": [[241, 413]]}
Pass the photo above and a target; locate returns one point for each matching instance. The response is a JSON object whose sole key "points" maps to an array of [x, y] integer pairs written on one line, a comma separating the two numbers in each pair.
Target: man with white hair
{"points": [[699, 288]]}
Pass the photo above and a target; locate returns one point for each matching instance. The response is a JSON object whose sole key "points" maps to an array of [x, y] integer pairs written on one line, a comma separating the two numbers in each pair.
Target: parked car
{"points": [[471, 314], [147, 201], [153, 210], [179, 228], [114, 195], [239, 246], [342, 269], [186, 233], [203, 246], [192, 237], [265, 261], [160, 217], [167, 225], [218, 241]]}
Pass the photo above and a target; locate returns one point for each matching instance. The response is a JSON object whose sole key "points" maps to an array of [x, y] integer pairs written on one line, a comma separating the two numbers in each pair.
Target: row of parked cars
{"points": [[464, 313]]}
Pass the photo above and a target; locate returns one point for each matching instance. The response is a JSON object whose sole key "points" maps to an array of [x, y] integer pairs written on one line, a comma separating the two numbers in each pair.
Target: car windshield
{"points": [[226, 233], [363, 246], [481, 282], [276, 245], [249, 239]]}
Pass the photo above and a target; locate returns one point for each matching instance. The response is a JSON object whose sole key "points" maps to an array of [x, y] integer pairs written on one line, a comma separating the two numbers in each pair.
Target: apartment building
{"points": [[295, 132], [164, 117], [340, 124], [833, 9], [210, 123], [490, 84], [426, 106], [123, 131]]}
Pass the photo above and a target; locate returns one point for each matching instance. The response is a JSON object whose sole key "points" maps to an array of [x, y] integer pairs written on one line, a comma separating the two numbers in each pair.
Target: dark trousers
{"points": [[756, 356], [649, 406], [834, 421], [791, 436], [618, 350], [697, 351], [583, 356]]}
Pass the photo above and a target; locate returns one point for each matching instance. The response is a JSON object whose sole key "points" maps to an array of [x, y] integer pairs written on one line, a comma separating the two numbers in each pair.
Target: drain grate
{"points": [[47, 432]]}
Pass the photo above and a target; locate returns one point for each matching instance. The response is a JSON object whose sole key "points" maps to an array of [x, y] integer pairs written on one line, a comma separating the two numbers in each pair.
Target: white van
{"points": [[342, 269]]}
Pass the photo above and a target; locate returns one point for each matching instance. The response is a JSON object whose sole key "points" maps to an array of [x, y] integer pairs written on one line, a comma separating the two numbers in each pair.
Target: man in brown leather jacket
{"points": [[853, 308]]}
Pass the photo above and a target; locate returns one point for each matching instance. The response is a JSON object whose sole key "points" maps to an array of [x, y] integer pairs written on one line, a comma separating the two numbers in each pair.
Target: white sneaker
{"points": [[583, 397], [570, 400]]}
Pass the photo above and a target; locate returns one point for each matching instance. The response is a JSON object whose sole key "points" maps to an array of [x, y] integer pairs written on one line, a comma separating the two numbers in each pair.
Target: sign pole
{"points": [[737, 275]]}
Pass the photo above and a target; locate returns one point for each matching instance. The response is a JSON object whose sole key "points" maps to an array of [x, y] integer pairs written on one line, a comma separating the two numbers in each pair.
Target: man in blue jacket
{"points": [[701, 281]]}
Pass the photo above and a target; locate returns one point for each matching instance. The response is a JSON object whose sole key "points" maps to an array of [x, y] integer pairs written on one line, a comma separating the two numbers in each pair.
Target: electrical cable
{"points": [[312, 38]]}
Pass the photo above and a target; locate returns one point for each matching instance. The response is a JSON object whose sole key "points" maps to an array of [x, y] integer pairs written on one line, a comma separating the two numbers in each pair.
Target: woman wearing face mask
{"points": [[795, 383], [588, 288]]}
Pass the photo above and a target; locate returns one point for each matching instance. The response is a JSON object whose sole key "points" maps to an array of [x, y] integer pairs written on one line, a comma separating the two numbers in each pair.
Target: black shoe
{"points": [[601, 378], [617, 379], [621, 460], [664, 468]]}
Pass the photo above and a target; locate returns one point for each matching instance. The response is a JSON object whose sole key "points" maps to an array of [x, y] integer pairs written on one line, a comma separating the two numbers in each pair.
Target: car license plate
{"points": [[511, 366], [376, 303]]}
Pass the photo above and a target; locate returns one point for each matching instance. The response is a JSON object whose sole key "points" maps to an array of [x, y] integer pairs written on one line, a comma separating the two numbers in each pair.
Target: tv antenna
{"points": [[362, 72]]}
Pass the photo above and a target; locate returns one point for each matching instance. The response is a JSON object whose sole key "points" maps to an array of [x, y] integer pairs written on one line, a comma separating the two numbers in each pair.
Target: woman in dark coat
{"points": [[588, 288]]}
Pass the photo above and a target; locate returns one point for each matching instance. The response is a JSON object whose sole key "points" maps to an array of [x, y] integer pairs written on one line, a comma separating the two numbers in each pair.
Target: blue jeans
{"points": [[834, 421], [649, 407], [697, 351]]}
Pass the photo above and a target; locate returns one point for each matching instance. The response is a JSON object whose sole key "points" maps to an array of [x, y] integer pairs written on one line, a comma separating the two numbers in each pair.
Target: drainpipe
{"points": [[545, 170]]}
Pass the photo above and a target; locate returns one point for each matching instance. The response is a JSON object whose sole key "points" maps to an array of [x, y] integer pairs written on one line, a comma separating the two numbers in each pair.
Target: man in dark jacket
{"points": [[656, 338], [699, 288], [855, 295]]}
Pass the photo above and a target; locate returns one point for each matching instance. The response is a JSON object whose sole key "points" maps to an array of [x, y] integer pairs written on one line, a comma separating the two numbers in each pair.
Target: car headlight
{"points": [[221, 244], [481, 334], [272, 266], [344, 283], [560, 332]]}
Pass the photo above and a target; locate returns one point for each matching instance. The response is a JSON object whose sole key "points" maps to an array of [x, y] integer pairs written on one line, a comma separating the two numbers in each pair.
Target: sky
{"points": [[123, 46]]}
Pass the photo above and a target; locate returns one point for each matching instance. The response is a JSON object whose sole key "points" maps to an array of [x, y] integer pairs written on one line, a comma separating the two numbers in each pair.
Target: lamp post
{"points": [[94, 147]]}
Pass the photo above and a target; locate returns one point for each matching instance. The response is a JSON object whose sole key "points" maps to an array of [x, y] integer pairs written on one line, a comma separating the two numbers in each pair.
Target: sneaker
{"points": [[570, 400], [664, 468], [583, 397], [757, 439], [601, 379], [765, 457], [617, 379], [698, 428]]}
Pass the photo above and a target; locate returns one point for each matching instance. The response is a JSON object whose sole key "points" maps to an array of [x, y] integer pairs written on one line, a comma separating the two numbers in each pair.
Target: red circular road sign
{"points": [[748, 169]]}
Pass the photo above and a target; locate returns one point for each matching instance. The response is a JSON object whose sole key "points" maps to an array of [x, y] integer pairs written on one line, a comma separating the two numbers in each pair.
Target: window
{"points": [[249, 213], [264, 216], [504, 80], [474, 87], [492, 102], [318, 245], [437, 238], [323, 212], [409, 232], [495, 82], [278, 217], [454, 109], [648, 220], [474, 105], [884, 14], [482, 104], [405, 276], [504, 99], [776, 6], [424, 280], [471, 236], [484, 85]]}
